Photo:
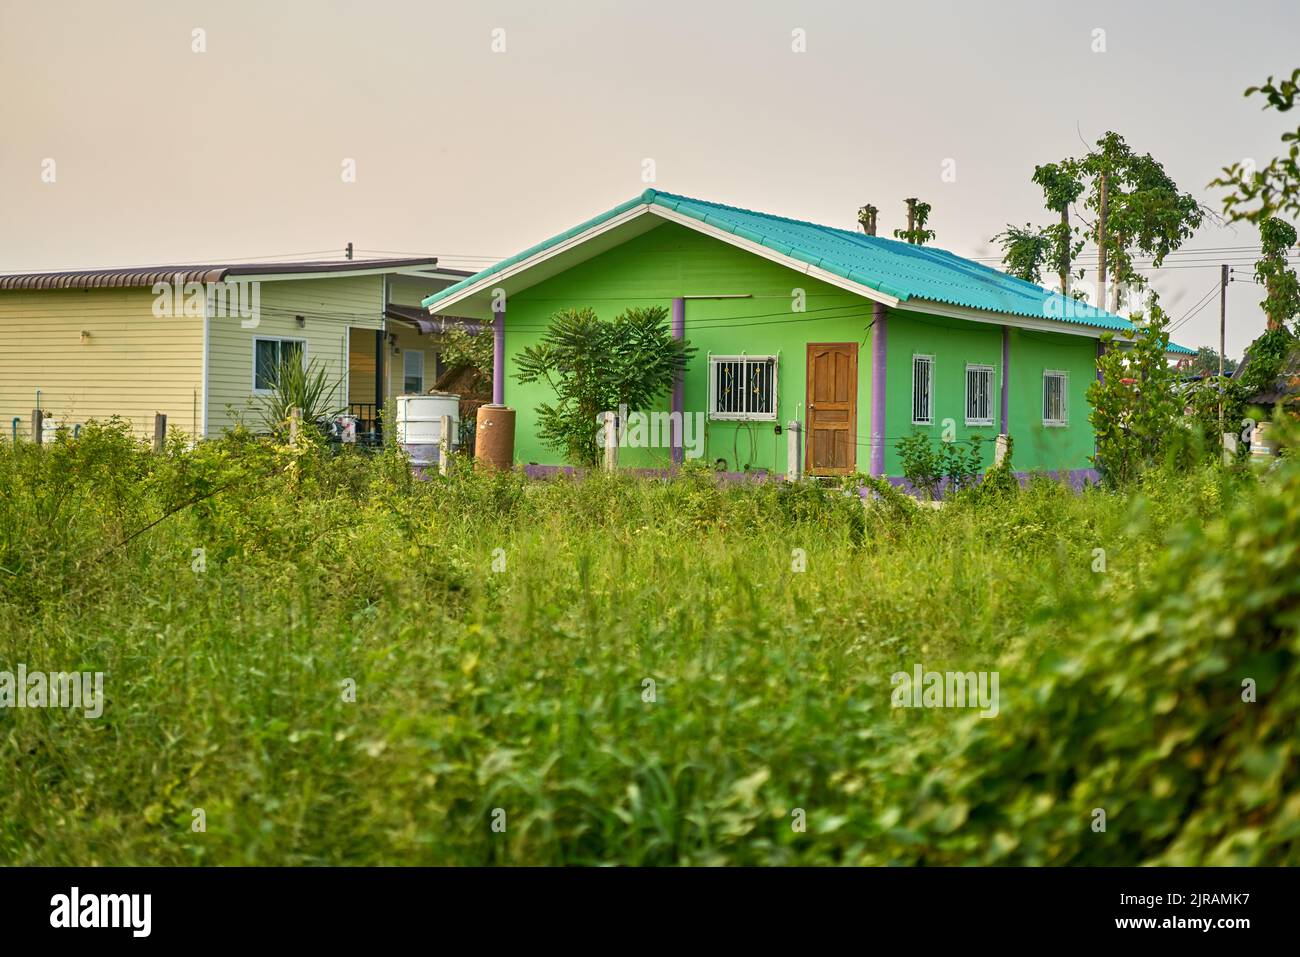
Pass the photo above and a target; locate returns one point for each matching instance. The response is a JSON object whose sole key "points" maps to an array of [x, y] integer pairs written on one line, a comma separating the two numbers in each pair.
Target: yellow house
{"points": [[198, 343]]}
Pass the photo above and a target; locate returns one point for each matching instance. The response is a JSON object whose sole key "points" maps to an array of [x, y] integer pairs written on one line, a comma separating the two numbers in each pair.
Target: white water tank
{"points": [[419, 424]]}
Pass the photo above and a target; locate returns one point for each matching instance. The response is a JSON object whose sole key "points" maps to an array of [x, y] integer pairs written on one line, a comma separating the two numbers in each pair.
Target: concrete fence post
{"points": [[1229, 447], [295, 423], [38, 426], [1000, 449], [793, 452], [611, 441], [444, 444]]}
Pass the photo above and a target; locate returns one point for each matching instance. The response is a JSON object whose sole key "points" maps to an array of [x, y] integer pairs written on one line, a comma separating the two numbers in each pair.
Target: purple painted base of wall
{"points": [[573, 471], [1077, 479]]}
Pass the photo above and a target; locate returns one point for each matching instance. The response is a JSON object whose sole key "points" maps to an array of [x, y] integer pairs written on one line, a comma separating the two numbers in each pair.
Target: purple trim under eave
{"points": [[679, 385], [499, 357], [1006, 376], [878, 351]]}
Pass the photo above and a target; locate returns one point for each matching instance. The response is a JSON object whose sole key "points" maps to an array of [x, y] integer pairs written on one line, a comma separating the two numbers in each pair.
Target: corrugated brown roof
{"points": [[216, 272]]}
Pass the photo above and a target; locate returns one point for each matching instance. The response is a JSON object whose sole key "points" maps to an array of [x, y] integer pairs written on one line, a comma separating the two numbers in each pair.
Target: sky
{"points": [[139, 132]]}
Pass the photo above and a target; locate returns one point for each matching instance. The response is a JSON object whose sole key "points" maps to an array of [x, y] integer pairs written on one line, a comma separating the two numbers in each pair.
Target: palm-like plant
{"points": [[298, 386], [595, 367]]}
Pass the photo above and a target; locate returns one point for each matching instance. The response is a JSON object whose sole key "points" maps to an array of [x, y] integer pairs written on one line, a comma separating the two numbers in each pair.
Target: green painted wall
{"points": [[954, 343], [672, 260], [1043, 447]]}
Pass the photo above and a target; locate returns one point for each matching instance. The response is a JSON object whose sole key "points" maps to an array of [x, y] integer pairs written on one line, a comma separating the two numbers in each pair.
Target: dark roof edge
{"points": [[122, 278]]}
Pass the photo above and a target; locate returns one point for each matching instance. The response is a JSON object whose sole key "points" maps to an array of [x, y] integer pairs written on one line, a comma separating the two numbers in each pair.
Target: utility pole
{"points": [[911, 220], [348, 251], [1223, 325]]}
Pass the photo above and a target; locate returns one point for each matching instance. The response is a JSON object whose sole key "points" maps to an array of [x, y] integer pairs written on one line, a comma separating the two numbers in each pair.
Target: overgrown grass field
{"points": [[625, 671]]}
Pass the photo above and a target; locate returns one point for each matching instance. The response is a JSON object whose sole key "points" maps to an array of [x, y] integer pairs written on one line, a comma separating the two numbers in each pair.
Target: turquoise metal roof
{"points": [[898, 269]]}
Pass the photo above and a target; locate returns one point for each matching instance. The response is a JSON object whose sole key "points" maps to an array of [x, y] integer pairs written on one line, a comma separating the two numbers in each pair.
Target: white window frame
{"points": [[992, 373], [418, 353], [745, 415], [1064, 420], [928, 362], [277, 339]]}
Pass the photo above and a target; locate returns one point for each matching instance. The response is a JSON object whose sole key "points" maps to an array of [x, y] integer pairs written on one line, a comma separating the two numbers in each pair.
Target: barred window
{"points": [[979, 395], [742, 387], [1054, 392], [922, 389]]}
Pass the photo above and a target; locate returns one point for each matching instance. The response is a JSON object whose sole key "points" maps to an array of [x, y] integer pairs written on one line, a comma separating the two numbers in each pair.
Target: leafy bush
{"points": [[1174, 714], [926, 465]]}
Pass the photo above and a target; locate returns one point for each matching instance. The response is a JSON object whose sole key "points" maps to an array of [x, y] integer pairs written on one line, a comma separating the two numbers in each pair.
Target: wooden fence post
{"points": [[159, 432], [295, 423], [38, 426]]}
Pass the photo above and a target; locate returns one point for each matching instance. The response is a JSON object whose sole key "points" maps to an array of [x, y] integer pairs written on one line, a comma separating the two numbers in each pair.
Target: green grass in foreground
{"points": [[526, 690]]}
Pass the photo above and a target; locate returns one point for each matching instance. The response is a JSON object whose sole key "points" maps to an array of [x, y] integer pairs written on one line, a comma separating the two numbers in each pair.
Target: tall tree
{"points": [[1024, 250], [1138, 209], [1282, 290], [1256, 194], [1263, 196], [1061, 186]]}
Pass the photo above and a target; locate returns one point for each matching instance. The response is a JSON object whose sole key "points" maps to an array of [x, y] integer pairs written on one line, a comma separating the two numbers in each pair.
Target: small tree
{"points": [[918, 214], [1135, 406], [461, 347], [595, 367], [1206, 362]]}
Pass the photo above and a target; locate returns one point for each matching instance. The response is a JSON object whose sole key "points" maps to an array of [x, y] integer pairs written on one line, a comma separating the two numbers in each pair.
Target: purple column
{"points": [[880, 330], [679, 387], [1101, 351], [1006, 376], [499, 357]]}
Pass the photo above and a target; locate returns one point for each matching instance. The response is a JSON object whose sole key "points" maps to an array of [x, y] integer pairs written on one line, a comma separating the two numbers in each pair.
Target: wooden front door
{"points": [[832, 439]]}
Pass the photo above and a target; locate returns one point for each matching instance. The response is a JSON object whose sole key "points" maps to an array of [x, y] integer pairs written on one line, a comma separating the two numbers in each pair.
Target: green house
{"points": [[858, 339]]}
